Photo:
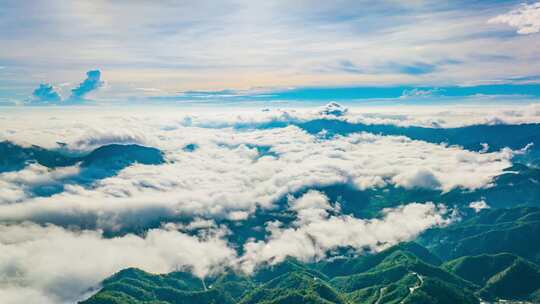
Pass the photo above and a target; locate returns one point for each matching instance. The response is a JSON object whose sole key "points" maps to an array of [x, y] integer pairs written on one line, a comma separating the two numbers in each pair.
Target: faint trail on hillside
{"points": [[381, 293], [414, 288]]}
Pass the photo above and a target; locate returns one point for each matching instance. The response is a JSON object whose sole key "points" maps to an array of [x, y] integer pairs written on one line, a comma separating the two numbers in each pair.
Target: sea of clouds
{"points": [[57, 249]]}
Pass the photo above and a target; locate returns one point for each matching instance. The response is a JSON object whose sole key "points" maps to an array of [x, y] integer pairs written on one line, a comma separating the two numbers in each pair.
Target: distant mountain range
{"points": [[488, 137]]}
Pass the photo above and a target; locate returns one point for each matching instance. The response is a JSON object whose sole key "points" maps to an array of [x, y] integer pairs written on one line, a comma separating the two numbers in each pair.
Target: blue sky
{"points": [[167, 48]]}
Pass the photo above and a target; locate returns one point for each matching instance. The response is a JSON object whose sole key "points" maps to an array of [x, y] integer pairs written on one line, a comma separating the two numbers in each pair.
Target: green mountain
{"points": [[518, 185], [479, 269], [490, 232], [295, 287], [136, 286], [470, 137], [343, 266], [521, 281], [489, 256], [502, 276], [14, 157], [393, 276]]}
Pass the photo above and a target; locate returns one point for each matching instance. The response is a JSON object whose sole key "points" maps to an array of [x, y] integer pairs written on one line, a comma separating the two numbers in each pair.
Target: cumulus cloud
{"points": [[91, 83], [46, 93], [96, 137], [333, 109], [311, 200], [420, 178], [315, 233], [525, 18], [20, 184], [11, 192], [49, 264], [479, 205]]}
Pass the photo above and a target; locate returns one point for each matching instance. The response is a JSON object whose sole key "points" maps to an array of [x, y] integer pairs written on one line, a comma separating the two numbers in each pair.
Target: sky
{"points": [[184, 49]]}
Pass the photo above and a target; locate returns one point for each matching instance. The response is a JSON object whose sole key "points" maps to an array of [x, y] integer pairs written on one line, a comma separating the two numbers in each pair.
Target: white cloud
{"points": [[416, 92], [17, 294], [238, 215], [96, 137], [526, 18], [315, 233], [311, 200], [225, 176], [479, 205], [49, 264], [11, 192], [333, 109], [17, 185], [145, 125], [420, 178]]}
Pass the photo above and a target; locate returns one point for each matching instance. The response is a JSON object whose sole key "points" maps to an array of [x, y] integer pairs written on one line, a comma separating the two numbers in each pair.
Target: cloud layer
{"points": [[227, 174], [50, 264], [181, 213], [315, 232]]}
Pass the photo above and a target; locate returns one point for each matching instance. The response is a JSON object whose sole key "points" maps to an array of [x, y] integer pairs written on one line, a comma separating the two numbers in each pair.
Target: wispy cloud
{"points": [[421, 92], [414, 69]]}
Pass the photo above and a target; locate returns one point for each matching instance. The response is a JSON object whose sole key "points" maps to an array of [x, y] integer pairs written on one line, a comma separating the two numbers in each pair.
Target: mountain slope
{"points": [[490, 232], [392, 276], [14, 157], [500, 276], [479, 269], [521, 281]]}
